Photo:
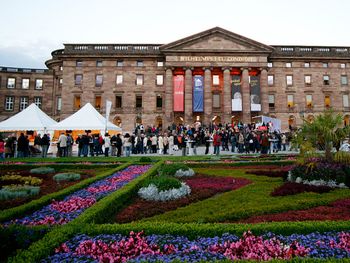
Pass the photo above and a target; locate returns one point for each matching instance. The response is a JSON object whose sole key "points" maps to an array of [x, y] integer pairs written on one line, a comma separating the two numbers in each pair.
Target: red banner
{"points": [[179, 93]]}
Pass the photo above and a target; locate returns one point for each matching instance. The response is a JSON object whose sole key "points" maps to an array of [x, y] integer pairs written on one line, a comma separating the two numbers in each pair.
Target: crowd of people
{"points": [[238, 138]]}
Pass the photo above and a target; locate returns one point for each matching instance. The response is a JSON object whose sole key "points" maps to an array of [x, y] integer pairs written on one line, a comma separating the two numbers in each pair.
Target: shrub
{"points": [[23, 179], [18, 191], [42, 170], [163, 182], [184, 173], [66, 177], [171, 169], [145, 160], [295, 188], [152, 193]]}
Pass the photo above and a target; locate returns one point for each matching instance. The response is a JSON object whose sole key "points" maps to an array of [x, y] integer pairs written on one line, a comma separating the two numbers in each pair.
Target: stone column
{"points": [[227, 96], [169, 97], [264, 92], [188, 97], [208, 97], [246, 118]]}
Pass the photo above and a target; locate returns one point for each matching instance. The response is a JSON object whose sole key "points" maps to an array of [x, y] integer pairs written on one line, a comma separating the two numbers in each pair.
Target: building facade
{"points": [[213, 76]]}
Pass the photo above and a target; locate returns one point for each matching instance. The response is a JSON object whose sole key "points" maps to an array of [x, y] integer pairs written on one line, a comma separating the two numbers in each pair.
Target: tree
{"points": [[325, 130]]}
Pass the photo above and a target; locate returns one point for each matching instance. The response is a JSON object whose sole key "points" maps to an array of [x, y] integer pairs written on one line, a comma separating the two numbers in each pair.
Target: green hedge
{"points": [[44, 247], [104, 210], [36, 204], [237, 164], [57, 167]]}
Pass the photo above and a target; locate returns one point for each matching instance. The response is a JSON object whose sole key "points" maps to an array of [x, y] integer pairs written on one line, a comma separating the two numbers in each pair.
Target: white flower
{"points": [[181, 173], [151, 193]]}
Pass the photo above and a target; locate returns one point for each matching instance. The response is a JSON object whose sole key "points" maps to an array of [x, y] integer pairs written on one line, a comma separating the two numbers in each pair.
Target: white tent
{"points": [[31, 118], [87, 118]]}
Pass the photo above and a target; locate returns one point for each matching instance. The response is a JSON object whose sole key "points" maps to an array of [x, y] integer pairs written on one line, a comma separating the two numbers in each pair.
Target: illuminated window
{"points": [[342, 65], [327, 101], [139, 79], [309, 101], [307, 79], [11, 83], [119, 79], [269, 65], [270, 80], [39, 84], [216, 80], [289, 80], [77, 102], [288, 65], [290, 100], [59, 103], [120, 63], [160, 80], [99, 80], [98, 100], [325, 80], [25, 83], [160, 63], [306, 64]]}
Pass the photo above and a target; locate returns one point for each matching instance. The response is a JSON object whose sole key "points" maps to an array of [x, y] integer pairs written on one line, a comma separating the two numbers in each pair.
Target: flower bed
{"points": [[165, 248], [338, 210], [152, 193], [47, 186], [202, 187], [290, 188], [73, 205], [270, 173]]}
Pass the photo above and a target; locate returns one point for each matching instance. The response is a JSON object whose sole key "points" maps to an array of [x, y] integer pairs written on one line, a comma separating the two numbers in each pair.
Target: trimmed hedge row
{"points": [[57, 167], [44, 247], [104, 210], [238, 164], [38, 203]]}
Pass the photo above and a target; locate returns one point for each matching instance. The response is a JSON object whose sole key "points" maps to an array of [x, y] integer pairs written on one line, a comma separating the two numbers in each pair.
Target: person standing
{"points": [[119, 144], [208, 140], [217, 143], [166, 143], [107, 144], [21, 145], [283, 141], [154, 143], [69, 145], [45, 143], [171, 144], [127, 144], [62, 141], [160, 144], [114, 145]]}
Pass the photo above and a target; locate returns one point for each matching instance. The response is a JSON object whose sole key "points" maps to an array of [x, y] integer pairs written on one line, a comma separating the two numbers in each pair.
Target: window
{"points": [[290, 100], [216, 80], [38, 101], [309, 101], [307, 79], [270, 80], [99, 80], [9, 103], [345, 100], [11, 83], [120, 63], [306, 64], [139, 63], [76, 102], [325, 80], [99, 63], [98, 100], [289, 79], [344, 80], [138, 101], [160, 63], [342, 65], [269, 65], [216, 101], [327, 101], [59, 103], [159, 101], [25, 83], [61, 68], [118, 101], [78, 79], [23, 103], [61, 81], [119, 79], [139, 79], [288, 65], [271, 101], [325, 65], [38, 84], [79, 63], [160, 80]]}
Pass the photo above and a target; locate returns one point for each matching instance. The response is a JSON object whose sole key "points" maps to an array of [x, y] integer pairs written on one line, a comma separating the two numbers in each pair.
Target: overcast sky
{"points": [[31, 30]]}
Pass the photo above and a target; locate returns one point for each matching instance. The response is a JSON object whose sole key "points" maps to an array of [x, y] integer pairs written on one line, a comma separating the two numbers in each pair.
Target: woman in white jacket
{"points": [[107, 144], [160, 144]]}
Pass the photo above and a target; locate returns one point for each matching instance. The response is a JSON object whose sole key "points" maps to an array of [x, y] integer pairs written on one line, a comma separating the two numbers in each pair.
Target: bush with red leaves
{"points": [[290, 188], [269, 173]]}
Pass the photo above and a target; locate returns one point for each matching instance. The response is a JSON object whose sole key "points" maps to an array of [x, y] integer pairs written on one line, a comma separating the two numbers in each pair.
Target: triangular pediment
{"points": [[216, 40]]}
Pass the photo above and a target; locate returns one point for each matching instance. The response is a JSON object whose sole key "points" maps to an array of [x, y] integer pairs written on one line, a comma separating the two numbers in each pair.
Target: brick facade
{"points": [[215, 51]]}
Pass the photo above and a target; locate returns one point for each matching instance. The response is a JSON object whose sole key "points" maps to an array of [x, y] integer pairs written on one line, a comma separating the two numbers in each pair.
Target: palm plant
{"points": [[325, 131]]}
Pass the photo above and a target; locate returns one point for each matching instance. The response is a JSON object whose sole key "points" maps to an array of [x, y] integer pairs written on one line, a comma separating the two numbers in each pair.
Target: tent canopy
{"points": [[31, 118], [87, 118], [275, 123]]}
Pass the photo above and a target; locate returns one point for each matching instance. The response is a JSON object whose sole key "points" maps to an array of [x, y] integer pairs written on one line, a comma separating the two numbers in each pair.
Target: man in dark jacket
{"points": [[22, 146]]}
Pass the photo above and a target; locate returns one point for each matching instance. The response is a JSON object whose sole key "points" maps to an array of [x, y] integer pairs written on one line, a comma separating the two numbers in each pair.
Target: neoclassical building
{"points": [[213, 76]]}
